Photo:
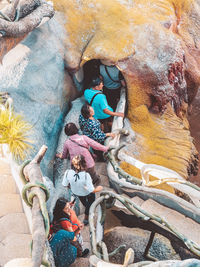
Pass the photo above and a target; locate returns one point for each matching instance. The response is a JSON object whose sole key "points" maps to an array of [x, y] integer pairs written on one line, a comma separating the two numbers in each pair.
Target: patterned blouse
{"points": [[92, 129]]}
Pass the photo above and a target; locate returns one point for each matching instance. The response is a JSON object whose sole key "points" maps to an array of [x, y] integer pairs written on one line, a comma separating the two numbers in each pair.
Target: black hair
{"points": [[96, 81], [85, 111], [70, 129], [58, 212]]}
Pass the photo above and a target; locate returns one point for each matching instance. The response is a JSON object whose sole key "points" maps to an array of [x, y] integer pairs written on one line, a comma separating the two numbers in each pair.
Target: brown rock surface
{"points": [[195, 130]]}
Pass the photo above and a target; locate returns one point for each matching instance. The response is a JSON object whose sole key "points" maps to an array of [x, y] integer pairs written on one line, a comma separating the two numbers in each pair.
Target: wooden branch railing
{"points": [[35, 194]]}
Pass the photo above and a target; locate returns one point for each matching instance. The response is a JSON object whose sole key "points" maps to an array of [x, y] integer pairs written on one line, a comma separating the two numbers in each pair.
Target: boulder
{"points": [[137, 239]]}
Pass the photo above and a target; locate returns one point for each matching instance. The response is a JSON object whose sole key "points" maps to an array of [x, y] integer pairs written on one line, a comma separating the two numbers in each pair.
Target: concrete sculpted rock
{"points": [[155, 44], [34, 75]]}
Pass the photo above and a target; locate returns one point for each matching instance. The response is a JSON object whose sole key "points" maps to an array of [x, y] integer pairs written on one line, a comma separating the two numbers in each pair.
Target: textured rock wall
{"points": [[156, 46], [34, 75]]}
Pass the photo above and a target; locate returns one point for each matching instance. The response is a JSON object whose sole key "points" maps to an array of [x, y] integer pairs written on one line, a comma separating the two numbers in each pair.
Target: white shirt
{"points": [[81, 183]]}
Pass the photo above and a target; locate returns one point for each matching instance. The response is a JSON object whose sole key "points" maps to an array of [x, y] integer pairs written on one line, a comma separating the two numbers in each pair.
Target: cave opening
{"points": [[91, 69]]}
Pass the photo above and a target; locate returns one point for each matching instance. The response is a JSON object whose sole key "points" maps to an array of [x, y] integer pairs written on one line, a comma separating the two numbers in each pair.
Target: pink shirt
{"points": [[73, 149]]}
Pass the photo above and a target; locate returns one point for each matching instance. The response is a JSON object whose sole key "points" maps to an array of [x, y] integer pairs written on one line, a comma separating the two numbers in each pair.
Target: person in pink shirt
{"points": [[79, 145]]}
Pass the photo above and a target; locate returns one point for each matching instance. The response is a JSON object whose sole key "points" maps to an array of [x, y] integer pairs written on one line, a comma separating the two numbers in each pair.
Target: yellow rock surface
{"points": [[153, 43]]}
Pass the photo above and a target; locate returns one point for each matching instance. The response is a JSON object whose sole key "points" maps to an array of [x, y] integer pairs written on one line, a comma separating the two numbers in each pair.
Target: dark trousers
{"points": [[87, 202], [95, 177], [112, 96]]}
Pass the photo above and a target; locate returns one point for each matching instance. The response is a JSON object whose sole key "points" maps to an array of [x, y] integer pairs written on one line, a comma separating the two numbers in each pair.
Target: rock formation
{"points": [[155, 45]]}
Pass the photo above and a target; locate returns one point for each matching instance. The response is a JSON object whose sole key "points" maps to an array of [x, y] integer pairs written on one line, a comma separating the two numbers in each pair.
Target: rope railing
{"points": [[108, 199]]}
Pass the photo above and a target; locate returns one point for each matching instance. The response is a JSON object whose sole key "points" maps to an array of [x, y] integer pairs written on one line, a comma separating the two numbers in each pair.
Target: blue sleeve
{"points": [[103, 102]]}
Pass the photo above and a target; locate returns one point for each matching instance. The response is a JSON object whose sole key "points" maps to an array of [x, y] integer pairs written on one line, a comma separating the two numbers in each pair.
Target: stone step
{"points": [[7, 184], [138, 201], [101, 168], [104, 181], [10, 203], [15, 246], [184, 225], [4, 167], [13, 223]]}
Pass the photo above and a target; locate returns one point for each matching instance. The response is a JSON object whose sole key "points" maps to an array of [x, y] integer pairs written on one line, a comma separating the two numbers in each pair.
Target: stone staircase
{"points": [[184, 225], [15, 236]]}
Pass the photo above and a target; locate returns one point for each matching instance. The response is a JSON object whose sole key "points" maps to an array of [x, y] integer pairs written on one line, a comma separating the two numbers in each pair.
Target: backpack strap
{"points": [[93, 98], [118, 81], [77, 143]]}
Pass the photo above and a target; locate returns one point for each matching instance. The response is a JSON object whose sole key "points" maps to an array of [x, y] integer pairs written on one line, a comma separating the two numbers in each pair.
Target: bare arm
{"points": [[110, 134], [97, 189], [65, 152], [111, 113]]}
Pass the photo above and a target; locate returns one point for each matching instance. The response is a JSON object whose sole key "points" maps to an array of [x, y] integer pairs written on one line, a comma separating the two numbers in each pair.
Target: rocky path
{"points": [[15, 236]]}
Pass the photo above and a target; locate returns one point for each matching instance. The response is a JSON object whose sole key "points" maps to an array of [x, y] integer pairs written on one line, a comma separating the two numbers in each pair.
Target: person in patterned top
{"points": [[91, 127]]}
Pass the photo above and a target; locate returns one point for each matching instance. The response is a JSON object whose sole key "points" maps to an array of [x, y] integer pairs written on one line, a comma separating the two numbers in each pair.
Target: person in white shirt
{"points": [[80, 183]]}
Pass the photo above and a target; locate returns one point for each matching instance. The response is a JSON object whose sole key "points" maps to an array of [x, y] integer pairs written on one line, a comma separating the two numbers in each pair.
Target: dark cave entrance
{"points": [[91, 69]]}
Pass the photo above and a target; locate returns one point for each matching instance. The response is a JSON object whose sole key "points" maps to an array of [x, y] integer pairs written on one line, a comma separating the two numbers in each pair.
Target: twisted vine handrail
{"points": [[139, 213], [35, 194], [112, 157]]}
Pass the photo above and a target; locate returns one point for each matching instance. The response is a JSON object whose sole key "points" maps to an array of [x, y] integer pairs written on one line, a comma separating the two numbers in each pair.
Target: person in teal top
{"points": [[102, 111], [64, 253]]}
